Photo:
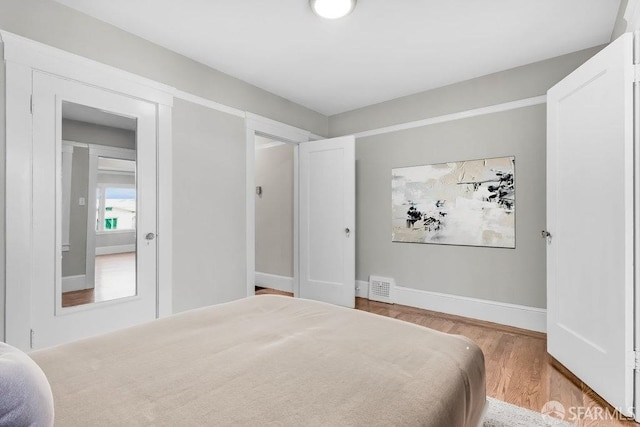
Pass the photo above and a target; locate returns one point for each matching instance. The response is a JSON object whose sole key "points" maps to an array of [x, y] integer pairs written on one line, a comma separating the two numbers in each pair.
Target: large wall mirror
{"points": [[98, 205]]}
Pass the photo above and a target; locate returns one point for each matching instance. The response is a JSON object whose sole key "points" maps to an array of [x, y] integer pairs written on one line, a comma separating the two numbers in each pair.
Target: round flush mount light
{"points": [[332, 9]]}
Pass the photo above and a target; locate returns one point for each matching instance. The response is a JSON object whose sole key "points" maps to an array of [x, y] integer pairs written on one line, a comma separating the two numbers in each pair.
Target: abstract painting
{"points": [[469, 203]]}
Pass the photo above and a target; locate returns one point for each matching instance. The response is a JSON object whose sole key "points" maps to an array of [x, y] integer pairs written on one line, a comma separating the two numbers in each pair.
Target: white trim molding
{"points": [[273, 281], [497, 108], [519, 316], [362, 289], [632, 15], [74, 283], [24, 51], [258, 125], [282, 131], [115, 249], [195, 99]]}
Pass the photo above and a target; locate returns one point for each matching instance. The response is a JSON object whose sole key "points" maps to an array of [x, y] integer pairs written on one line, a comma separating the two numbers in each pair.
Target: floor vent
{"points": [[381, 289]]}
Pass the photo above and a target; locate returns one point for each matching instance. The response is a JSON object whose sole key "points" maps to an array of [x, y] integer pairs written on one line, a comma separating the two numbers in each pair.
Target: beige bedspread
{"points": [[268, 360]]}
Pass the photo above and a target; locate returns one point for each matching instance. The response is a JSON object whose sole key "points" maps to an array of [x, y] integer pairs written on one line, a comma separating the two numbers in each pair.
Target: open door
{"points": [[590, 217], [327, 220]]}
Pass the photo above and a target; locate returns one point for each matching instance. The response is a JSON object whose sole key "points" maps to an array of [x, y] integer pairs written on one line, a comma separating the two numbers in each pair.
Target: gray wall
{"points": [[508, 275], [74, 261], [274, 210], [621, 25], [515, 276], [89, 133], [209, 214], [510, 85]]}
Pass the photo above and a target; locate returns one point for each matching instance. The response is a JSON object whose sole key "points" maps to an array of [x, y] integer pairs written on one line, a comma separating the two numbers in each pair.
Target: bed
{"points": [[268, 360]]}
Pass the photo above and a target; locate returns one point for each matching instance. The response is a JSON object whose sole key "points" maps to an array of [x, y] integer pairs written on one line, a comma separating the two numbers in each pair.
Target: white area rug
{"points": [[502, 414]]}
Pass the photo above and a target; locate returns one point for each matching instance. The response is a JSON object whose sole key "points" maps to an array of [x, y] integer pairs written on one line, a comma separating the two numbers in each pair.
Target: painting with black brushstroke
{"points": [[469, 203]]}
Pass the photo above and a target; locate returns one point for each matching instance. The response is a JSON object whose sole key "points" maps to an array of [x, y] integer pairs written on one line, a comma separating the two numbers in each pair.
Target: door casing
{"points": [[257, 125], [22, 57]]}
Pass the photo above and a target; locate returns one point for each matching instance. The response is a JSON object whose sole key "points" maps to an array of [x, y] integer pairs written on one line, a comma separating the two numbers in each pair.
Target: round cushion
{"points": [[25, 394]]}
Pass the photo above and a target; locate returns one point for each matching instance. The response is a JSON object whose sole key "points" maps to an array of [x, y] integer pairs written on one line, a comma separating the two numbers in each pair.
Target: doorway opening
{"points": [[275, 166]]}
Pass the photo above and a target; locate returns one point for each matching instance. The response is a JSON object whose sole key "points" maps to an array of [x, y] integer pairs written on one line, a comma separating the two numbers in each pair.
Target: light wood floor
{"points": [[519, 370], [115, 278]]}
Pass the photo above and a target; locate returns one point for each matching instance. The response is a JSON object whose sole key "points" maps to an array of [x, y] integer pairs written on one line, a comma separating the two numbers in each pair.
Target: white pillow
{"points": [[25, 394]]}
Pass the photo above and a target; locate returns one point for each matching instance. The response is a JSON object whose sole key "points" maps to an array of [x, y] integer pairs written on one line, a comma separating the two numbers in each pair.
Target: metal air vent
{"points": [[381, 289]]}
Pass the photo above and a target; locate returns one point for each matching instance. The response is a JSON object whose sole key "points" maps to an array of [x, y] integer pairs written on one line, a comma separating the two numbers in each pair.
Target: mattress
{"points": [[268, 360]]}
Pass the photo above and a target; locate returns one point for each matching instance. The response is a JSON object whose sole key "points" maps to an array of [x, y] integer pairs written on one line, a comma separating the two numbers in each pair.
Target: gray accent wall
{"points": [[516, 276], [209, 207], [274, 210], [508, 275]]}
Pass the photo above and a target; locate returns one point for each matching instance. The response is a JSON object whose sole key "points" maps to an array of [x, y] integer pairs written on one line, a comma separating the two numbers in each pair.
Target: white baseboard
{"points": [[74, 283], [272, 281], [519, 316], [117, 249], [362, 289]]}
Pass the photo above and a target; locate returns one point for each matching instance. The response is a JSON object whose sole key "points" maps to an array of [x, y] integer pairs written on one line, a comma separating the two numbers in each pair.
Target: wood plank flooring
{"points": [[519, 370], [115, 277]]}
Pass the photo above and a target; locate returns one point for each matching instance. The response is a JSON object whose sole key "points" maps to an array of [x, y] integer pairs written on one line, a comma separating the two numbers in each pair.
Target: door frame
{"points": [[22, 57], [258, 125]]}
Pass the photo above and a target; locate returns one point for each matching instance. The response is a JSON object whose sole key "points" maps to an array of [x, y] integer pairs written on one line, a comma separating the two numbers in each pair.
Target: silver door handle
{"points": [[545, 234], [150, 236]]}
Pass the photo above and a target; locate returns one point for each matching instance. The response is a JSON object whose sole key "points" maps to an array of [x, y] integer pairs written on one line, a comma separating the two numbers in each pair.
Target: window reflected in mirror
{"points": [[98, 205]]}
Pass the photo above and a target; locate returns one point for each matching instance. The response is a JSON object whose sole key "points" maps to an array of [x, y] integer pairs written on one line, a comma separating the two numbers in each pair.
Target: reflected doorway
{"points": [[98, 165], [275, 172]]}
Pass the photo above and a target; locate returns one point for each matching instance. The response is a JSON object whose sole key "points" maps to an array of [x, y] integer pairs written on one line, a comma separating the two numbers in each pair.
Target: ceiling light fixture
{"points": [[332, 9]]}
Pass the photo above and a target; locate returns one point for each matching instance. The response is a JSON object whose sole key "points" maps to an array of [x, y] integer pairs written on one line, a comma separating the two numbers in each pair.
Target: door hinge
{"points": [[31, 337], [31, 104]]}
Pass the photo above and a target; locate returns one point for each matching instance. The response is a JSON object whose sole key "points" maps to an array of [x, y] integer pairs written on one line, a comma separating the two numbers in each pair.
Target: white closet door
{"points": [[51, 323], [327, 220], [590, 214]]}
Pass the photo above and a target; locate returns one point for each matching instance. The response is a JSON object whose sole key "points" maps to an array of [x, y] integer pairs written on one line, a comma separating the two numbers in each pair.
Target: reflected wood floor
{"points": [[115, 278], [519, 370]]}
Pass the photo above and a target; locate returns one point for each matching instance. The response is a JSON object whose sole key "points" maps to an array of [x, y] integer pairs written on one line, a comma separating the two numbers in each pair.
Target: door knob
{"points": [[546, 235], [347, 231], [150, 236]]}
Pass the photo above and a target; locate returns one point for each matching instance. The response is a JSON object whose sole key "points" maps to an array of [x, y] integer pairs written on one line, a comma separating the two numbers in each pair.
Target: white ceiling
{"points": [[383, 50]]}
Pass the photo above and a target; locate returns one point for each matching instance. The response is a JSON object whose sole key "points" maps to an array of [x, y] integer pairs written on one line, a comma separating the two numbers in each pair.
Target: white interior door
{"points": [[327, 220], [51, 323], [590, 214]]}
